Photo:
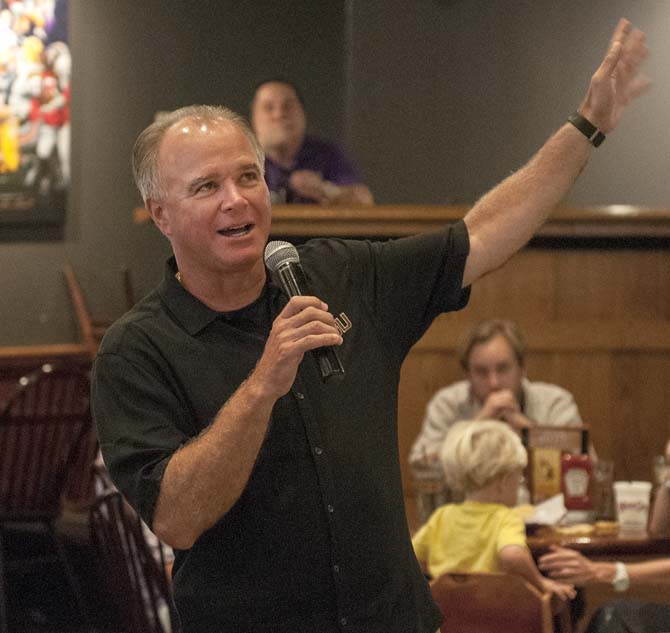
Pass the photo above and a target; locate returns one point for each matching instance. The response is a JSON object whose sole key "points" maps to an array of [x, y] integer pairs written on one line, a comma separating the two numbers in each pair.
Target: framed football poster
{"points": [[35, 69]]}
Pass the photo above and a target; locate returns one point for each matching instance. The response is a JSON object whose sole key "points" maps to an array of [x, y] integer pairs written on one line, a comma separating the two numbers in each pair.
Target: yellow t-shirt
{"points": [[466, 537]]}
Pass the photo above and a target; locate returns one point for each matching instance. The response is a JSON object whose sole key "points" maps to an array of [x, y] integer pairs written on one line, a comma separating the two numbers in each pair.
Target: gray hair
{"points": [[145, 151]]}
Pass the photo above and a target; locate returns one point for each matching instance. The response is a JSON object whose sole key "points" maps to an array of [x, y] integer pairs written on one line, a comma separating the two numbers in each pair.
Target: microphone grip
{"points": [[292, 278], [329, 362]]}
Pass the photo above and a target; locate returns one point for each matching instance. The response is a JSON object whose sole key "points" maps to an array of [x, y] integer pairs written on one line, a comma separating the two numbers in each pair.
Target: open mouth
{"points": [[236, 231]]}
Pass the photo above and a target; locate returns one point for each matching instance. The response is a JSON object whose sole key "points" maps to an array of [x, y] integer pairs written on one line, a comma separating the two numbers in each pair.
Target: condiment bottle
{"points": [[576, 477]]}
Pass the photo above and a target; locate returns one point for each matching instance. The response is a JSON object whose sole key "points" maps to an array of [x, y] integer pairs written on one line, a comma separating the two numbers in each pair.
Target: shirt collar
{"points": [[192, 313]]}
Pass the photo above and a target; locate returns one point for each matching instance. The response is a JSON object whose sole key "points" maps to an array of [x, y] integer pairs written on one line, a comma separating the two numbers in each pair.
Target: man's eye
{"points": [[204, 187], [249, 176]]}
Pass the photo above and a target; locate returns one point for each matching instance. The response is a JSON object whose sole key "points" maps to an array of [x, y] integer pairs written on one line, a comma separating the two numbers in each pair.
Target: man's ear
{"points": [[158, 215]]}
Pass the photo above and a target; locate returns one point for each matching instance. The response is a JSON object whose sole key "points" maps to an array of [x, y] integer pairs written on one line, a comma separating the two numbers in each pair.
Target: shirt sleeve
{"points": [[409, 281], [137, 417], [441, 415], [512, 531], [563, 410], [401, 284]]}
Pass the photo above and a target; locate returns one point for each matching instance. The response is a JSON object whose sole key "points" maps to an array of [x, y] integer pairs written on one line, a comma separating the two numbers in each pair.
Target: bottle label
{"points": [[576, 482]]}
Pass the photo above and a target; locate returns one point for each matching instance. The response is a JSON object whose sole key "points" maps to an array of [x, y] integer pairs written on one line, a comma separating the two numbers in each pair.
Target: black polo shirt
{"points": [[318, 540]]}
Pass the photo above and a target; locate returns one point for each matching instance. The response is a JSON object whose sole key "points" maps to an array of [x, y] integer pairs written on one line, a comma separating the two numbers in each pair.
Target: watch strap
{"points": [[587, 128], [621, 580]]}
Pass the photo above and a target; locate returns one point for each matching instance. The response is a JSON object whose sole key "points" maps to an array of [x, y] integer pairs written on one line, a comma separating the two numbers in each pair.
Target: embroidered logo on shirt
{"points": [[342, 323]]}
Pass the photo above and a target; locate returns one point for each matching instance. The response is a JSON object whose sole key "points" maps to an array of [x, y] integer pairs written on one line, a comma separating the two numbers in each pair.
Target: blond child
{"points": [[484, 460]]}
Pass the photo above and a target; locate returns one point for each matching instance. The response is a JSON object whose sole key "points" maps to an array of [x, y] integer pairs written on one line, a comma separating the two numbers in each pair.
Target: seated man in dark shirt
{"points": [[300, 168]]}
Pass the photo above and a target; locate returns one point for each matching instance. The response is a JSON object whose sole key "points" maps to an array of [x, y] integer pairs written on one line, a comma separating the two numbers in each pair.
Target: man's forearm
{"points": [[205, 478], [504, 219]]}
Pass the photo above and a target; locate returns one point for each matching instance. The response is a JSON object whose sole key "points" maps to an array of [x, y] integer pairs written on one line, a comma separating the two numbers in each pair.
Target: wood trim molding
{"points": [[397, 220], [394, 220], [588, 335], [20, 354]]}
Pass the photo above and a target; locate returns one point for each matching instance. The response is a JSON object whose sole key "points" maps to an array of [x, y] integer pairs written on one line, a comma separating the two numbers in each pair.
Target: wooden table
{"points": [[627, 548], [613, 546]]}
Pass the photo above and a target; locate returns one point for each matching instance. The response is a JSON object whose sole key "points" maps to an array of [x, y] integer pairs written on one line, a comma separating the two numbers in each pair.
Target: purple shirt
{"points": [[317, 155]]}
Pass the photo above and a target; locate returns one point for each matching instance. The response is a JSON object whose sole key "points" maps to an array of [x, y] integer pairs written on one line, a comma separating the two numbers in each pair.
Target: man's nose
{"points": [[232, 196], [494, 380]]}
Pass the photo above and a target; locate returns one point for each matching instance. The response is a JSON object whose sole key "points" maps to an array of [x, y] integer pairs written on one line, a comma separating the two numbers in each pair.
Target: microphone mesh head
{"points": [[278, 253]]}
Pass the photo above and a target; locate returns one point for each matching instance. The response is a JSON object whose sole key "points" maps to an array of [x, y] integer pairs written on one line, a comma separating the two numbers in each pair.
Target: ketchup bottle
{"points": [[576, 477]]}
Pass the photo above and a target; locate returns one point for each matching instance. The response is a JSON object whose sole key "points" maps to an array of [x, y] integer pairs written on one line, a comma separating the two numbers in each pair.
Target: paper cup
{"points": [[632, 505]]}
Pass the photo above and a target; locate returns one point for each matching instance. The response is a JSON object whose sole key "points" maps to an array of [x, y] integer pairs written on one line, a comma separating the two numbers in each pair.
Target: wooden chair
{"points": [[44, 427], [138, 586], [490, 603], [91, 329]]}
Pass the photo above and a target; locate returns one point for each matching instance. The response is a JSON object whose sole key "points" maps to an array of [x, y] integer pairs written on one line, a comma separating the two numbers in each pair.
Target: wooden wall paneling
{"points": [[589, 378], [642, 400], [631, 284], [596, 322], [523, 287]]}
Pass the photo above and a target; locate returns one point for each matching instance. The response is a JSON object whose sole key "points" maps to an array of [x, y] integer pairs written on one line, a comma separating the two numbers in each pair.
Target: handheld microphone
{"points": [[283, 261]]}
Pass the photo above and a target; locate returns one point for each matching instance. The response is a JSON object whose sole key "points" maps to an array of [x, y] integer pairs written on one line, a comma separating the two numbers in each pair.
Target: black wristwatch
{"points": [[587, 128]]}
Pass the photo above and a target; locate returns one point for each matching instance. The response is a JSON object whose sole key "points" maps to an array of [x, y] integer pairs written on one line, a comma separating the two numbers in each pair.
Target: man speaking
{"points": [[281, 493]]}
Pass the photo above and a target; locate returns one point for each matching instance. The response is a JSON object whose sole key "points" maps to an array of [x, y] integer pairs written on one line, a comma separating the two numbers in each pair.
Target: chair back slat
{"points": [[80, 480], [139, 584], [43, 426]]}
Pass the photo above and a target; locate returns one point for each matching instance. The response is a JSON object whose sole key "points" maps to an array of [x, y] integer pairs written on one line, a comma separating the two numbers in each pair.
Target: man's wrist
{"points": [[587, 128]]}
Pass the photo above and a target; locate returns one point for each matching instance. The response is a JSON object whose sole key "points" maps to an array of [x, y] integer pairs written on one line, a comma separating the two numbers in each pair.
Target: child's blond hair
{"points": [[475, 453]]}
